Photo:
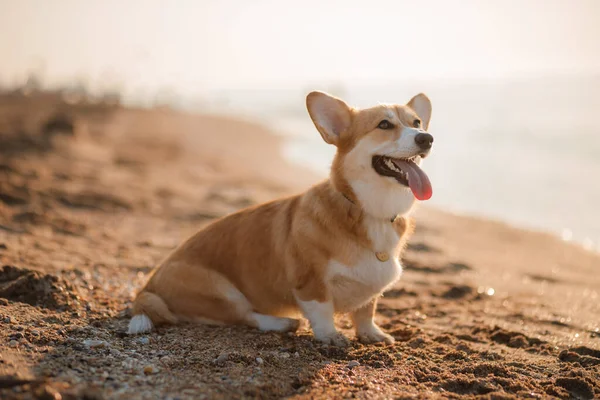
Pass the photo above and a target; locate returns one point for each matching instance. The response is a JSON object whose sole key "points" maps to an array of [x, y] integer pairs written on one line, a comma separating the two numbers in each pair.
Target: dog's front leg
{"points": [[364, 324], [319, 313], [313, 299], [320, 316]]}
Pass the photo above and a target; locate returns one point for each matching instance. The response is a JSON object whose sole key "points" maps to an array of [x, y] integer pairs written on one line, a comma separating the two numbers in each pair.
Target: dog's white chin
{"points": [[383, 197]]}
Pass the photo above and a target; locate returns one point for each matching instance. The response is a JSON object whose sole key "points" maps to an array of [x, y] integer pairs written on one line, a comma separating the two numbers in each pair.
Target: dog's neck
{"points": [[392, 219]]}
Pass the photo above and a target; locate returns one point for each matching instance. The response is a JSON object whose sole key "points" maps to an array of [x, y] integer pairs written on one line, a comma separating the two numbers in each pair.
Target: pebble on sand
{"points": [[95, 344], [150, 370], [143, 340], [353, 364], [222, 358]]}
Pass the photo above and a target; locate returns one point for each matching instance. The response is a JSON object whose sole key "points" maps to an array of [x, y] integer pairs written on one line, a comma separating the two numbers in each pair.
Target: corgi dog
{"points": [[333, 249]]}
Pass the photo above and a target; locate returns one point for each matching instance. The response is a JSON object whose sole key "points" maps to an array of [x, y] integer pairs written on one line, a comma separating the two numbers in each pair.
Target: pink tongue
{"points": [[417, 179]]}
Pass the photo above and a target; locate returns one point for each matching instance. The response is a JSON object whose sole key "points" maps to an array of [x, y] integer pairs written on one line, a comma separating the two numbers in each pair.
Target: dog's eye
{"points": [[417, 123], [385, 124]]}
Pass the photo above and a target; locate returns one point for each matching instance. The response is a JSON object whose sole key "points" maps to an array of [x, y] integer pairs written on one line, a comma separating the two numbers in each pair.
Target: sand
{"points": [[92, 196]]}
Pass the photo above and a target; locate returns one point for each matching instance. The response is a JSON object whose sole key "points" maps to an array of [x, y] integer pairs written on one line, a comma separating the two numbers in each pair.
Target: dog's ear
{"points": [[422, 106], [330, 115]]}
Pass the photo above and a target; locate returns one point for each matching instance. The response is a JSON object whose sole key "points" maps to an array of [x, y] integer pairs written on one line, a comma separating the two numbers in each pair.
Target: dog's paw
{"points": [[271, 323], [374, 335], [335, 339], [292, 325]]}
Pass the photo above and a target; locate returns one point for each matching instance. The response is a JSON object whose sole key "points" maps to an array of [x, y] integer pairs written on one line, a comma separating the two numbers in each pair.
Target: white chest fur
{"points": [[382, 234], [353, 286]]}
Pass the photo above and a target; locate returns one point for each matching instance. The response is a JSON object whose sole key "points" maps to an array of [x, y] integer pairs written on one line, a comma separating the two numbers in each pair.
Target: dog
{"points": [[332, 249]]}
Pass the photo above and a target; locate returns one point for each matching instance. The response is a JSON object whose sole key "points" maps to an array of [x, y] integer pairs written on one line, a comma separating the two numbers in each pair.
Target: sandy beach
{"points": [[92, 196]]}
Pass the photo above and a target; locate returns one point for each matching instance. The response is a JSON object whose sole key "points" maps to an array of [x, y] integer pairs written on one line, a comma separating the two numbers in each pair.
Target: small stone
{"points": [[260, 360], [285, 355], [7, 320], [115, 352], [296, 354], [95, 344], [143, 340], [353, 364], [3, 302], [13, 343], [222, 358], [19, 328], [35, 333], [150, 370]]}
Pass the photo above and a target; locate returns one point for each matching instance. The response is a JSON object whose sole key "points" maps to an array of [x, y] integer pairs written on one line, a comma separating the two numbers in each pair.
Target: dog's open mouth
{"points": [[406, 172]]}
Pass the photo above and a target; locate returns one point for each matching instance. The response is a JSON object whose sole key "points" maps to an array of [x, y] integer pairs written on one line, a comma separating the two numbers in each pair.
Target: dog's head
{"points": [[379, 151]]}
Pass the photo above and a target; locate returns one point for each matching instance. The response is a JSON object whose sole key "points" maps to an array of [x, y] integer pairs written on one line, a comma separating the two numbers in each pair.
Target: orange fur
{"points": [[269, 259]]}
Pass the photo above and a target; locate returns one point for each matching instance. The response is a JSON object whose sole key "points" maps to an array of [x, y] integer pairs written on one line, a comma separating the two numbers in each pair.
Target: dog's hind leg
{"points": [[242, 311], [207, 296]]}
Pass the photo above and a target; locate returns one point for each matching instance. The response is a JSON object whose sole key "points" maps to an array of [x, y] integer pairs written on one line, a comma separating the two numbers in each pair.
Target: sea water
{"points": [[527, 153]]}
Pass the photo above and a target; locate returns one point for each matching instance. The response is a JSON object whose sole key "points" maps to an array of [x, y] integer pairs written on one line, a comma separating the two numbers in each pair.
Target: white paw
{"points": [[335, 339], [374, 335], [270, 323], [292, 325]]}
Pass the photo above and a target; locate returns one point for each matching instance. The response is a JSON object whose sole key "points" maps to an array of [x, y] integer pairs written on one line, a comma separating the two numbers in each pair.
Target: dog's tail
{"points": [[149, 310]]}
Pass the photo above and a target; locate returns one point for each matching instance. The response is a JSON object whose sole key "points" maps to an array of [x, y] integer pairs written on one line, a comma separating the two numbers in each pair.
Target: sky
{"points": [[200, 45]]}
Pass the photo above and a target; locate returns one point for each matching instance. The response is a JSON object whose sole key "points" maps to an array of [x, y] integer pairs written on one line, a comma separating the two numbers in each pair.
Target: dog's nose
{"points": [[424, 140]]}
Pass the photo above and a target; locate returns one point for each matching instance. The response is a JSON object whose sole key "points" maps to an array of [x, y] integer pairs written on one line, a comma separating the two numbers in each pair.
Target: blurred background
{"points": [[514, 84]]}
